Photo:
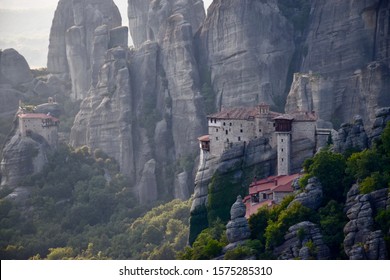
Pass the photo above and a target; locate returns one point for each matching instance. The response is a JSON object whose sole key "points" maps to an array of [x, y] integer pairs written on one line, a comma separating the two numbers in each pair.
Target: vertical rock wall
{"points": [[247, 47]]}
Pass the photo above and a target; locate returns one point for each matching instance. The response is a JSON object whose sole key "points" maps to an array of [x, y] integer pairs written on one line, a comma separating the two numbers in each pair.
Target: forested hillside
{"points": [[80, 206]]}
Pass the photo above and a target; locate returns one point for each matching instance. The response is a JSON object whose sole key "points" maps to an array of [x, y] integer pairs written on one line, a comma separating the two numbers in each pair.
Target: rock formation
{"points": [[246, 47], [351, 136], [303, 241], [362, 240], [382, 116], [22, 156], [345, 61], [237, 230], [245, 161], [311, 196], [72, 39]]}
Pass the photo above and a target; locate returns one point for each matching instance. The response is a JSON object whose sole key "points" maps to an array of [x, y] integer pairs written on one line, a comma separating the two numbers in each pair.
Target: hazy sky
{"points": [[25, 26]]}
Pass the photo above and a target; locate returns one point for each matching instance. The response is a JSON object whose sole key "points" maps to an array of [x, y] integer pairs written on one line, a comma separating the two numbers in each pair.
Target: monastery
{"points": [[235, 125], [42, 124]]}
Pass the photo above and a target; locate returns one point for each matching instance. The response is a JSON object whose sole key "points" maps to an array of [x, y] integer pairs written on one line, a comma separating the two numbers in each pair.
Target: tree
{"points": [[329, 168]]}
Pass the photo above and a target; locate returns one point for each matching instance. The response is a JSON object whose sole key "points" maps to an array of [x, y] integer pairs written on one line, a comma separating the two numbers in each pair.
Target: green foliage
{"points": [[160, 233], [239, 253], [223, 192], [329, 168], [332, 222], [208, 244], [304, 180], [276, 229], [198, 222], [372, 167], [72, 204], [382, 219]]}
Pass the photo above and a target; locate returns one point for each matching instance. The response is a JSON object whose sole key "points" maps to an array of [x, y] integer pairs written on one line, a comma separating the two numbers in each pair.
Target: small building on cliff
{"points": [[44, 125], [268, 192], [243, 124]]}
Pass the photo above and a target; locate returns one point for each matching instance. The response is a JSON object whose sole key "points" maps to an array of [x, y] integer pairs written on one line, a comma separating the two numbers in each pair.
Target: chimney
{"points": [[276, 182]]}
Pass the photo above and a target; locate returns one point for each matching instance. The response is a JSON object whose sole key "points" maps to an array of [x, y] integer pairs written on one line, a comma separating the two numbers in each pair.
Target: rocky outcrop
{"points": [[347, 72], [22, 157], [15, 81], [145, 105], [242, 161], [303, 241], [237, 230], [246, 46], [257, 153], [72, 39], [362, 240], [351, 136], [14, 69], [382, 116], [311, 196]]}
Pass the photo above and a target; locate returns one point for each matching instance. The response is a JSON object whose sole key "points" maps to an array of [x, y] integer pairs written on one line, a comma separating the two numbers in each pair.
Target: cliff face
{"points": [[346, 59], [242, 162], [144, 107], [72, 36], [22, 156], [247, 47]]}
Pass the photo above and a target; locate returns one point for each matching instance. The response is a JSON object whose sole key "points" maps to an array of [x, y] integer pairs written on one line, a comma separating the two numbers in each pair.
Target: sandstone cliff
{"points": [[362, 239], [247, 47], [144, 107], [72, 37], [345, 61]]}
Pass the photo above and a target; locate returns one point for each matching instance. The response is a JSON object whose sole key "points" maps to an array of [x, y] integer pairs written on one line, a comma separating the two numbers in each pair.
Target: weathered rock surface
{"points": [[257, 152], [303, 241], [351, 136], [311, 197], [149, 20], [14, 68], [238, 228], [382, 116], [72, 39], [22, 156], [362, 241], [351, 69], [247, 47]]}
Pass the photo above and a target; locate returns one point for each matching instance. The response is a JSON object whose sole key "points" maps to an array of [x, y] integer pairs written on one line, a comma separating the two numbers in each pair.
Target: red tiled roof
{"points": [[37, 116], [204, 138], [240, 113], [274, 183]]}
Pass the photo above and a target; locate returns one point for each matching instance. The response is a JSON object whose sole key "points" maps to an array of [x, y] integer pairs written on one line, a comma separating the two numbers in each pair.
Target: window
{"points": [[227, 132], [216, 129], [230, 124], [241, 130], [281, 140], [224, 123], [227, 140], [282, 149], [260, 130], [239, 138], [216, 138], [282, 159], [264, 196]]}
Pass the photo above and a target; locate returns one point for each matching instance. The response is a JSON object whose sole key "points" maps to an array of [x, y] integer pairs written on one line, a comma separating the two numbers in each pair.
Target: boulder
{"points": [[311, 196], [303, 241], [14, 68], [238, 228]]}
